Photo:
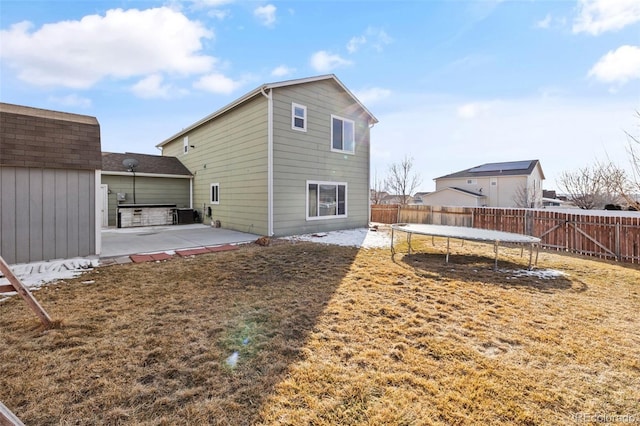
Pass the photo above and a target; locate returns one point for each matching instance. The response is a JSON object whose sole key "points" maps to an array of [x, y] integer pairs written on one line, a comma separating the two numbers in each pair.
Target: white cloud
{"points": [[282, 71], [217, 83], [72, 100], [323, 61], [599, 16], [618, 66], [372, 95], [151, 87], [473, 109], [544, 23], [377, 38], [121, 44], [266, 15], [355, 43]]}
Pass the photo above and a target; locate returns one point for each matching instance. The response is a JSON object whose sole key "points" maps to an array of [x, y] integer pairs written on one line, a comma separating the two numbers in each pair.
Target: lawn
{"points": [[303, 333]]}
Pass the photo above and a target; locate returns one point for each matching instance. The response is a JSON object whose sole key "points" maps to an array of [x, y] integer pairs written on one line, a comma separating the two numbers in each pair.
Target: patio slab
{"points": [[158, 239]]}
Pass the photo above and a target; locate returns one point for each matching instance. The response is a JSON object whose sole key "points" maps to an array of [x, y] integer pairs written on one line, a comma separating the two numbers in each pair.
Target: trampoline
{"points": [[471, 234]]}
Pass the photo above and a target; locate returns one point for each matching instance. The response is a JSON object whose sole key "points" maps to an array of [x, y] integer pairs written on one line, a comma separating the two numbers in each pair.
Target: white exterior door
{"points": [[104, 210]]}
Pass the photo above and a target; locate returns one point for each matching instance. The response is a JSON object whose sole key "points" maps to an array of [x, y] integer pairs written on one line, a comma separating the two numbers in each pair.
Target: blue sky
{"points": [[454, 83]]}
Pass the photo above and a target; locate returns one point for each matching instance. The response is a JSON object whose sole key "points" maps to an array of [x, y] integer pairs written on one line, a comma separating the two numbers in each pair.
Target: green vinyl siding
{"points": [[230, 150], [149, 190], [306, 156]]}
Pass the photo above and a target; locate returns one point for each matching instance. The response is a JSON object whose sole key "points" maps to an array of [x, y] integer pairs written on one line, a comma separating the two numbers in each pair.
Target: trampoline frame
{"points": [[470, 234]]}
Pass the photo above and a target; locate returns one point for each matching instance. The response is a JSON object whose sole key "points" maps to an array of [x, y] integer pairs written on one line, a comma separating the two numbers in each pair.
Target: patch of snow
{"points": [[544, 274], [232, 360], [360, 237], [35, 275]]}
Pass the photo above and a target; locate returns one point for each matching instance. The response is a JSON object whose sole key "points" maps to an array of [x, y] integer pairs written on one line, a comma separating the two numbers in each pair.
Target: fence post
{"points": [[617, 242]]}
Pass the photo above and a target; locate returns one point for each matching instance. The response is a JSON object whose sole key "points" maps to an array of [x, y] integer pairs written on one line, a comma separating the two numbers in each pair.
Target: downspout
{"points": [[269, 160]]}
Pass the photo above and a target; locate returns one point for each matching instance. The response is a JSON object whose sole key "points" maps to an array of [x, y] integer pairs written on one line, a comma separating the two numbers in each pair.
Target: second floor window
{"points": [[299, 117], [342, 135]]}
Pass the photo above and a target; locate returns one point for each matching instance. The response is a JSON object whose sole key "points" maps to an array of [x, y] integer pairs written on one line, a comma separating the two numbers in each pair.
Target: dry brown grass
{"points": [[328, 335]]}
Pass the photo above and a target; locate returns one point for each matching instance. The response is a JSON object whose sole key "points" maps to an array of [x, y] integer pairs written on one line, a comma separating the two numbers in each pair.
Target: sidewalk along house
{"points": [[506, 184], [286, 158], [156, 183], [49, 177]]}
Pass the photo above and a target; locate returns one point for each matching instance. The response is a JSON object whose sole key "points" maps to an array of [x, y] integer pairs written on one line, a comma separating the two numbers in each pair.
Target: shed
{"points": [[49, 174]]}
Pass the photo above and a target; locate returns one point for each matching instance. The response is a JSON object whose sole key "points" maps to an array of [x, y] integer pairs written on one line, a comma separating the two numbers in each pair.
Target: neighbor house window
{"points": [[326, 200], [185, 144], [342, 135], [215, 193], [471, 181], [298, 117]]}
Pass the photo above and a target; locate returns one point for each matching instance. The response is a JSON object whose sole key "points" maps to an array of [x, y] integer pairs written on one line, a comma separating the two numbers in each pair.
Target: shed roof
{"points": [[150, 164], [45, 113], [508, 168], [261, 89], [35, 137]]}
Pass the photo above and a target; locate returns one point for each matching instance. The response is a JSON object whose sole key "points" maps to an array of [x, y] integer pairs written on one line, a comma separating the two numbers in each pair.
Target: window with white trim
{"points": [[326, 200], [185, 144], [298, 117], [214, 193], [342, 134], [471, 181]]}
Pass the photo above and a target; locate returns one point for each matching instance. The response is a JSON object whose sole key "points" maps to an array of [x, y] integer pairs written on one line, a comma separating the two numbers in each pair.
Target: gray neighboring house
{"points": [[505, 184], [286, 158], [49, 178], [155, 180]]}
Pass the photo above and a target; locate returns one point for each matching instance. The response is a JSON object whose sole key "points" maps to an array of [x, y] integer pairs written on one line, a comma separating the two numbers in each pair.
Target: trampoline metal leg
{"points": [[446, 259]]}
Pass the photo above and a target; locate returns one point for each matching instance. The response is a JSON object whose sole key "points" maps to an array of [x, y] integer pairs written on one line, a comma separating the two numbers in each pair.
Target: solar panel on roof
{"points": [[497, 167]]}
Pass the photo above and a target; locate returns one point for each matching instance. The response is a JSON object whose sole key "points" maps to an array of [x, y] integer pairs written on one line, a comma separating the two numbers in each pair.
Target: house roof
{"points": [[453, 188], [509, 168], [260, 90], [147, 164]]}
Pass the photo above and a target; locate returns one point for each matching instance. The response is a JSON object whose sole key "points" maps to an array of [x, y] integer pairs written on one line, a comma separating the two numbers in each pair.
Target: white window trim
{"points": [[472, 181], [354, 135], [322, 182], [293, 117], [185, 145], [210, 197]]}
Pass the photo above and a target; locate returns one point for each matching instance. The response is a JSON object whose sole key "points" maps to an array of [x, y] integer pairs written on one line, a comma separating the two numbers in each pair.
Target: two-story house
{"points": [[506, 184], [286, 158]]}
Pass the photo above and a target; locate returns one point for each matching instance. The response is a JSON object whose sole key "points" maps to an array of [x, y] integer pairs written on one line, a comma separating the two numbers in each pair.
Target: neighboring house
{"points": [[507, 184], [154, 180], [286, 158], [49, 179]]}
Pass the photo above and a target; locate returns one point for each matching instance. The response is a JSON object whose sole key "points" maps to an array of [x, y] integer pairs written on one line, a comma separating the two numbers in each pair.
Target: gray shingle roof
{"points": [[153, 164], [510, 168]]}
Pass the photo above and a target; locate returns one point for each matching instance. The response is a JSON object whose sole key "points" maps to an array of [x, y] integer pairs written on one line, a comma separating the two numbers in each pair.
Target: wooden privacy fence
{"points": [[604, 235]]}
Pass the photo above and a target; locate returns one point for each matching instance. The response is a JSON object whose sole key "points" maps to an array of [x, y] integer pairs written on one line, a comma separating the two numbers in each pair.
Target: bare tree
{"points": [[631, 193], [594, 186], [402, 180], [378, 190], [524, 196]]}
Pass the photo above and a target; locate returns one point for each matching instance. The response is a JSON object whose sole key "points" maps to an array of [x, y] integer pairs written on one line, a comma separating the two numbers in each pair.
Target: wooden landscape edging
{"points": [[7, 418], [22, 290]]}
